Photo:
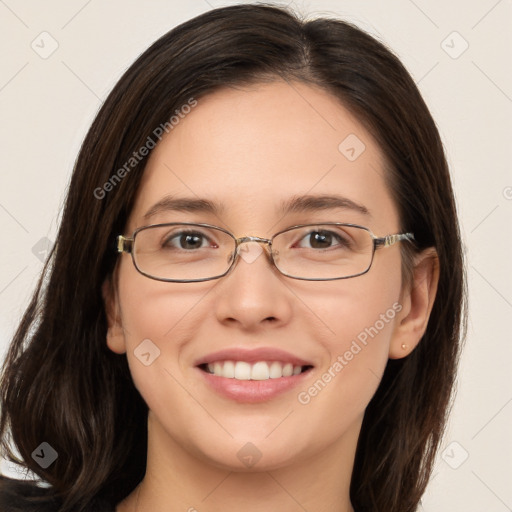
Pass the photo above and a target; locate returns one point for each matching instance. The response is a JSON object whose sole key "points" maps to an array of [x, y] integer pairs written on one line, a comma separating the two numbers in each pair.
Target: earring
{"points": [[404, 346]]}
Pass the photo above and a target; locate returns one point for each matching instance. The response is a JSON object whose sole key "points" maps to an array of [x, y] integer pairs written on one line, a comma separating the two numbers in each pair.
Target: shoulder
{"points": [[28, 496]]}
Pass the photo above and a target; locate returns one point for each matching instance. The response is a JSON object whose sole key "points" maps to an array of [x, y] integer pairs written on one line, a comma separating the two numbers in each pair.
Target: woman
{"points": [[257, 293]]}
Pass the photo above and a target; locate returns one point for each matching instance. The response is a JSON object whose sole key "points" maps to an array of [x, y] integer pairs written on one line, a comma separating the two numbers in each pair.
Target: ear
{"points": [[417, 300], [115, 334]]}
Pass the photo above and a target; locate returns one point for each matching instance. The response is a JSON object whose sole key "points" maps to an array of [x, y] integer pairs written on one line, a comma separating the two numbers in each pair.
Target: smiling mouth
{"points": [[260, 370]]}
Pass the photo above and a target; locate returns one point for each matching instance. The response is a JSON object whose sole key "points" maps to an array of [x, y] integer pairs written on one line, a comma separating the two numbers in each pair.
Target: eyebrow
{"points": [[184, 204], [309, 203], [295, 204]]}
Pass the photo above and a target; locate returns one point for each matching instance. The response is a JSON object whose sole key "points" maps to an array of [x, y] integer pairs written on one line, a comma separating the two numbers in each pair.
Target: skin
{"points": [[289, 147]]}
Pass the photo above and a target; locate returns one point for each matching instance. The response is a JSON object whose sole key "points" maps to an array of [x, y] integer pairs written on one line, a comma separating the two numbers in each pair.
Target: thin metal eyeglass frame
{"points": [[126, 244]]}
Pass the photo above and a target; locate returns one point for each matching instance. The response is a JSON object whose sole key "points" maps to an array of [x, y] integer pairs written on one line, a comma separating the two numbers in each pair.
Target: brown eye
{"points": [[186, 240], [323, 240]]}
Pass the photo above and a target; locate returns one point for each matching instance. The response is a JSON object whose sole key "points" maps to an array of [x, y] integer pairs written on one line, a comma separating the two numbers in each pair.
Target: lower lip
{"points": [[253, 391]]}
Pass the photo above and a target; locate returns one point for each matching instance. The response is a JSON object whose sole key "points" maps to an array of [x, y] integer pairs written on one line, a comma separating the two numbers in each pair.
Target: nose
{"points": [[253, 294]]}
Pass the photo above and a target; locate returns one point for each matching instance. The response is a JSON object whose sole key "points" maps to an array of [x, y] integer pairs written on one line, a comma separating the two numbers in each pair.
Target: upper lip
{"points": [[253, 356]]}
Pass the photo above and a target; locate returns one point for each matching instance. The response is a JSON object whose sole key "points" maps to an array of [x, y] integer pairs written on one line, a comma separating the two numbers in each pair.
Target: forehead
{"points": [[251, 149]]}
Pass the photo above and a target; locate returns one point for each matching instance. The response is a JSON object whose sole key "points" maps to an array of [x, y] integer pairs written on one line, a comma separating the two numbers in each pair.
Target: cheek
{"points": [[361, 353], [360, 317], [154, 309], [361, 308], [158, 319]]}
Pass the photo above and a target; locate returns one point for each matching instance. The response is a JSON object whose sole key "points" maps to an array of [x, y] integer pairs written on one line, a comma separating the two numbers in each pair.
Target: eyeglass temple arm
{"points": [[389, 240], [124, 244]]}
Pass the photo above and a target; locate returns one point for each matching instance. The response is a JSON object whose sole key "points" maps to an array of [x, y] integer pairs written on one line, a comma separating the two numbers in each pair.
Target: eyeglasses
{"points": [[187, 252]]}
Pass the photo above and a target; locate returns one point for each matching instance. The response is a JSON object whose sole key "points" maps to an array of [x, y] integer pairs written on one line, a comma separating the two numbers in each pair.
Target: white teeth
{"points": [[287, 370], [276, 370], [242, 371], [229, 369], [261, 370]]}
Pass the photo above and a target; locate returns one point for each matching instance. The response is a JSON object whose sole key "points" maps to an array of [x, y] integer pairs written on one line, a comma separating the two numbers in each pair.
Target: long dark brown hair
{"points": [[60, 383]]}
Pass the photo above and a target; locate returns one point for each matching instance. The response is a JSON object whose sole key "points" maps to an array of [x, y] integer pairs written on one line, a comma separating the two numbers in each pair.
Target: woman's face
{"points": [[248, 151]]}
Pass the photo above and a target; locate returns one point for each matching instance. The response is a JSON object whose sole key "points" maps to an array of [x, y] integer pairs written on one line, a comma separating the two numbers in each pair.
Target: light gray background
{"points": [[47, 104]]}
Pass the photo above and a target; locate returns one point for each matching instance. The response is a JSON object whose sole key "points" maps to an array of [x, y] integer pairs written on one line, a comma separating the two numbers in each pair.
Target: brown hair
{"points": [[62, 385]]}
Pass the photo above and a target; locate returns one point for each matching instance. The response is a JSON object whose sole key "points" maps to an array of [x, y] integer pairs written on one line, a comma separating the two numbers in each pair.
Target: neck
{"points": [[179, 479]]}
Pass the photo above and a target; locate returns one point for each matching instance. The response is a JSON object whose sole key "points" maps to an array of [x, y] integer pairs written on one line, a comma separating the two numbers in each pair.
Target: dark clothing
{"points": [[27, 496]]}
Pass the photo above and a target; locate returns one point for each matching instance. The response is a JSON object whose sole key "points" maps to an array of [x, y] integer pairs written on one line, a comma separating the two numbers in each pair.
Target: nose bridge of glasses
{"points": [[246, 239], [250, 254]]}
